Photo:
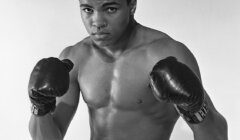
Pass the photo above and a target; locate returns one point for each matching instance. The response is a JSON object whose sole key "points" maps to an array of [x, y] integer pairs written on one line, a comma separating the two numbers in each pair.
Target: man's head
{"points": [[107, 20]]}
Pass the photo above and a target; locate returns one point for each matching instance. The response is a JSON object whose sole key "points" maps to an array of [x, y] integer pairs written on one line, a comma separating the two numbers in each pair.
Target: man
{"points": [[136, 82]]}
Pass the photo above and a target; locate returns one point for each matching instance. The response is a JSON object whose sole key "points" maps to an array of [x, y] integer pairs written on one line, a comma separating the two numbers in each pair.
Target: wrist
{"points": [[193, 117], [43, 109]]}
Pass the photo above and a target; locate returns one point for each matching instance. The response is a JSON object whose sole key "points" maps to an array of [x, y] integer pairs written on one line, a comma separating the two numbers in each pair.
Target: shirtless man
{"points": [[128, 93]]}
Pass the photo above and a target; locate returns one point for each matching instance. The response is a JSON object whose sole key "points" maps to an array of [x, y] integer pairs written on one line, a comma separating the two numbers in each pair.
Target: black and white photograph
{"points": [[120, 69]]}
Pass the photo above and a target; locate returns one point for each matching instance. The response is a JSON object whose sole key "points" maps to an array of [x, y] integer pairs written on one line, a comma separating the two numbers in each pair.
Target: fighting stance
{"points": [[136, 82]]}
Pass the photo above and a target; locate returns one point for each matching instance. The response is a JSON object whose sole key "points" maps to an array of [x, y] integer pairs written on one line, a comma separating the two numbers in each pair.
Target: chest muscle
{"points": [[122, 84]]}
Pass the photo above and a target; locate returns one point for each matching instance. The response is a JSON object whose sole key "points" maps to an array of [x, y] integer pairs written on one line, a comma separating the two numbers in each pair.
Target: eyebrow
{"points": [[110, 3], [85, 5], [104, 5]]}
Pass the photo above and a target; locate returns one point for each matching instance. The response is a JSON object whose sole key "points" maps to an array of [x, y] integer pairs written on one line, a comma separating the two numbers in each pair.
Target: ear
{"points": [[133, 4]]}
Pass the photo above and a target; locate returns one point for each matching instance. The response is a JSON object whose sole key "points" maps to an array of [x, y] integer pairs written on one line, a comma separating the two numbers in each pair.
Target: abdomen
{"points": [[111, 124]]}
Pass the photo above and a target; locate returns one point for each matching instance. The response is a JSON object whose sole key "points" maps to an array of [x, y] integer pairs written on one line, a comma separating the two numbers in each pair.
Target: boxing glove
{"points": [[48, 80], [174, 82]]}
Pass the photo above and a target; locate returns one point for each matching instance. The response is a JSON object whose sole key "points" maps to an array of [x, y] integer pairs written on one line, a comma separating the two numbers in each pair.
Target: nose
{"points": [[98, 21]]}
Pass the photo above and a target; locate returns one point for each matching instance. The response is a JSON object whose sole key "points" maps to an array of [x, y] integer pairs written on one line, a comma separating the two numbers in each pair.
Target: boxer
{"points": [[135, 81]]}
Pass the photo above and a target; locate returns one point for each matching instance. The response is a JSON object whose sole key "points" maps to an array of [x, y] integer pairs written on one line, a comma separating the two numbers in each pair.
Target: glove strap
{"points": [[194, 117], [43, 110]]}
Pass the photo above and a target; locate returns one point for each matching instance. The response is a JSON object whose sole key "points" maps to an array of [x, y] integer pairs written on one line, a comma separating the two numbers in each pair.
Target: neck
{"points": [[121, 45]]}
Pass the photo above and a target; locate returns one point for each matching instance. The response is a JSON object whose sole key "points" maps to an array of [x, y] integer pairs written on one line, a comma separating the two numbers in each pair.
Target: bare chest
{"points": [[122, 84]]}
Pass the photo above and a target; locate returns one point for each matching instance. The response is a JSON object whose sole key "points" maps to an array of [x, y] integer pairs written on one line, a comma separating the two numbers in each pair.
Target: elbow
{"points": [[43, 129], [32, 128], [223, 129]]}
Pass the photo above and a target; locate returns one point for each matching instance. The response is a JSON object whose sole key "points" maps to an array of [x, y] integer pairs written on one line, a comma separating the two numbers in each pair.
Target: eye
{"points": [[111, 9], [88, 10]]}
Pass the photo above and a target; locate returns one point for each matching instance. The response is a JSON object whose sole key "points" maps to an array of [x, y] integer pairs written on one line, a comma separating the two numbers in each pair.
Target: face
{"points": [[105, 20]]}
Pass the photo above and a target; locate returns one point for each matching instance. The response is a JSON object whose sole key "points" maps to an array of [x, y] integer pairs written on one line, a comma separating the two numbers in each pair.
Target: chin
{"points": [[102, 42]]}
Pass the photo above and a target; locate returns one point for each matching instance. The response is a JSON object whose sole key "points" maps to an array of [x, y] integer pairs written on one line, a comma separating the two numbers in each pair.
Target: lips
{"points": [[100, 35]]}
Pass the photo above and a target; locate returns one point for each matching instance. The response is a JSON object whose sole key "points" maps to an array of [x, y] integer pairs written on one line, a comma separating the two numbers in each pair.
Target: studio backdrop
{"points": [[34, 29]]}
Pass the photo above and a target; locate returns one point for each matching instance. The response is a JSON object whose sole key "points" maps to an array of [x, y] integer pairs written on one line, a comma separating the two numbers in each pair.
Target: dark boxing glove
{"points": [[48, 80], [174, 82]]}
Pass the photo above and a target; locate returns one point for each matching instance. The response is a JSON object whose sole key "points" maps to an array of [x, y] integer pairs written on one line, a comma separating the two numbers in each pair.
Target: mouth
{"points": [[101, 35]]}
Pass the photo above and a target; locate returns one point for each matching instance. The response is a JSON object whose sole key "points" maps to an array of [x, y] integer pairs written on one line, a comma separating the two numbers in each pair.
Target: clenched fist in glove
{"points": [[48, 80], [174, 82]]}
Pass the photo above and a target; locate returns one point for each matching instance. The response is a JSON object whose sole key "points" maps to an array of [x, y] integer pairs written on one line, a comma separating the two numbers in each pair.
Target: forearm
{"points": [[214, 127], [44, 128]]}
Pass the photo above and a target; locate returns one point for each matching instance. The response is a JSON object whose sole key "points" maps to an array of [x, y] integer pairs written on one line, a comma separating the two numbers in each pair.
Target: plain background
{"points": [[33, 29]]}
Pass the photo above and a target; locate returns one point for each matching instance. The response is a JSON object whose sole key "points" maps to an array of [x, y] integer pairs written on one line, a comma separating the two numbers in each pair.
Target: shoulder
{"points": [[165, 47], [146, 35], [78, 54], [168, 46], [80, 49]]}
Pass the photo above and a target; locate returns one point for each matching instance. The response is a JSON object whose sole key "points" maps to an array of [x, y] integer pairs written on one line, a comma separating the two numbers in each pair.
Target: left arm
{"points": [[214, 126], [178, 81]]}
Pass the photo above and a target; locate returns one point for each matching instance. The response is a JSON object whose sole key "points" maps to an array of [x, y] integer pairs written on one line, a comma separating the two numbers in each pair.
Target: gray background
{"points": [[33, 29]]}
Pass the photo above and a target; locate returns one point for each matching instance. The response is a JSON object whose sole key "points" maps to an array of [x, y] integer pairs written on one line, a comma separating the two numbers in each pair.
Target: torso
{"points": [[121, 104]]}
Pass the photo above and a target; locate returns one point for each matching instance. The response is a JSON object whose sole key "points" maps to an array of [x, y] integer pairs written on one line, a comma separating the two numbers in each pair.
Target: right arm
{"points": [[53, 126], [44, 127]]}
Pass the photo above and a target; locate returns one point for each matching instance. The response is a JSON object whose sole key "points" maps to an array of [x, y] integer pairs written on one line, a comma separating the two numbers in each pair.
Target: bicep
{"points": [[66, 105], [186, 57]]}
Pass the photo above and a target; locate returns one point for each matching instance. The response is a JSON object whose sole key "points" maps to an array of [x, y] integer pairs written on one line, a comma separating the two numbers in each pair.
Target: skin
{"points": [[111, 70]]}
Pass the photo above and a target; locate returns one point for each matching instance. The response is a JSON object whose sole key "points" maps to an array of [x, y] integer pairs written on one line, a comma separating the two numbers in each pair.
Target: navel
{"points": [[139, 101]]}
